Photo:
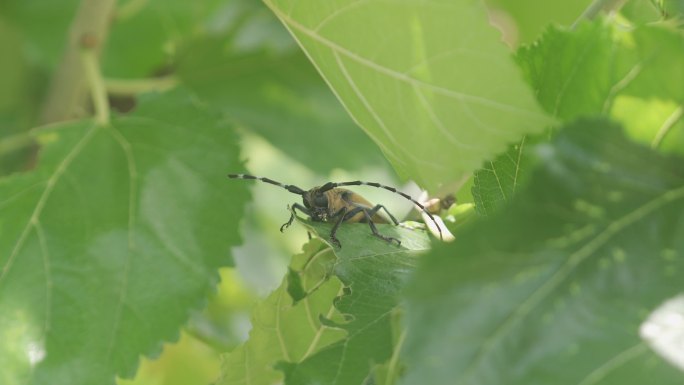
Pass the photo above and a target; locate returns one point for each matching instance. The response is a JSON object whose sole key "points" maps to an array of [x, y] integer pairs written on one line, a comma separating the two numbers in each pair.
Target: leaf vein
{"points": [[40, 205], [566, 269], [614, 363], [132, 190], [279, 333], [48, 276]]}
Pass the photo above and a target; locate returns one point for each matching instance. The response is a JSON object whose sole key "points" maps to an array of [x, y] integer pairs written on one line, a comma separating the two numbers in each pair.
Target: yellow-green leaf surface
{"points": [[335, 316], [115, 236], [283, 330], [374, 274], [429, 81], [496, 183]]}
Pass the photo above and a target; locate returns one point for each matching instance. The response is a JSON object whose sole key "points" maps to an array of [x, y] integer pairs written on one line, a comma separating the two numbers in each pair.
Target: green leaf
{"points": [[650, 104], [662, 334], [672, 8], [524, 20], [573, 72], [658, 56], [653, 11], [553, 288], [44, 26], [109, 243], [283, 330], [157, 27], [496, 183], [429, 81], [646, 120], [281, 97], [641, 12], [17, 104], [594, 70], [580, 72], [374, 273]]}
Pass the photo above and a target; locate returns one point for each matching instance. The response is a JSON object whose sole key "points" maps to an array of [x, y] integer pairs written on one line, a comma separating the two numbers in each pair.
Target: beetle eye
{"points": [[321, 200]]}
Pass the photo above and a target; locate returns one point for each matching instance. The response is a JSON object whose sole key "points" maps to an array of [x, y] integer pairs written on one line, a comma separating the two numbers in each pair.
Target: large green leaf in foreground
{"points": [[429, 81], [107, 245], [552, 289]]}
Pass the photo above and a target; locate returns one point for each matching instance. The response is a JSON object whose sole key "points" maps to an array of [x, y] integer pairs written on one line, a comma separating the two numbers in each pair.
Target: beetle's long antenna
{"points": [[332, 185], [291, 188]]}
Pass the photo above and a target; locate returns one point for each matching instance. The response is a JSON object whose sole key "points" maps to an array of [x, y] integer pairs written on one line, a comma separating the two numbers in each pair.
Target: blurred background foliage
{"points": [[239, 59]]}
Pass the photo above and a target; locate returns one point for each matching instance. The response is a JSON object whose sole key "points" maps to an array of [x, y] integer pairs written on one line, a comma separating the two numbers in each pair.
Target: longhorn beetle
{"points": [[330, 203]]}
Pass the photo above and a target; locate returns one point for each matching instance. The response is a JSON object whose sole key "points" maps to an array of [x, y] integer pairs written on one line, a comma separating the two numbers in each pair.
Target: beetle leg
{"points": [[377, 208], [374, 230], [342, 215], [295, 207]]}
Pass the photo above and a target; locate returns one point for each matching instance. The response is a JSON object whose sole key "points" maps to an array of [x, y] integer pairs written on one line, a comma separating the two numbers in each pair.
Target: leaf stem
{"points": [[670, 122], [125, 87], [96, 85]]}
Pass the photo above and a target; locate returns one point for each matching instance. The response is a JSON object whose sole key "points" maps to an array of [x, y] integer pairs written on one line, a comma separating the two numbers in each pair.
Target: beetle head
{"points": [[317, 202]]}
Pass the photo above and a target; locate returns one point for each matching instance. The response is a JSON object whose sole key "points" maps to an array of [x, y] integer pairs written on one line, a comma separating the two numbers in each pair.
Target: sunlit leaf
{"points": [[286, 331], [573, 71], [595, 70], [658, 69], [524, 20], [496, 183], [651, 120], [643, 11], [579, 72], [109, 243], [429, 81], [663, 330], [553, 288]]}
